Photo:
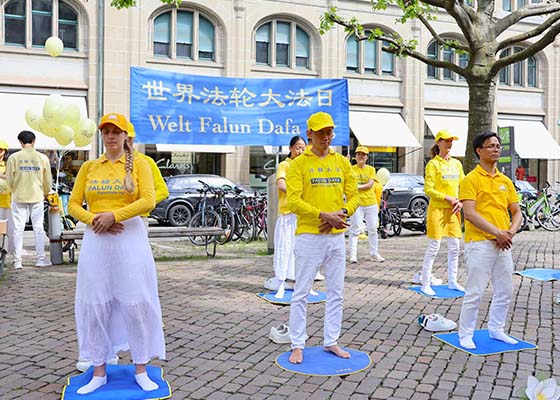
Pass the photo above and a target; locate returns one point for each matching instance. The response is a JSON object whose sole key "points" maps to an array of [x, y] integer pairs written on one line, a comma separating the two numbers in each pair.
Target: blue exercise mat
{"points": [[318, 362], [485, 346], [442, 292], [121, 385], [540, 274], [321, 297]]}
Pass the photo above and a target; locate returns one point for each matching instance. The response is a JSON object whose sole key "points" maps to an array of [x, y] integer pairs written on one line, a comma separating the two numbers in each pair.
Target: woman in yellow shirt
{"points": [[5, 195], [285, 228], [117, 304], [441, 184]]}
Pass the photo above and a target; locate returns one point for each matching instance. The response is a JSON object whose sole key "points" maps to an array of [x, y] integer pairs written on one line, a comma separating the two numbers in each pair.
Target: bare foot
{"points": [[296, 357], [337, 351]]}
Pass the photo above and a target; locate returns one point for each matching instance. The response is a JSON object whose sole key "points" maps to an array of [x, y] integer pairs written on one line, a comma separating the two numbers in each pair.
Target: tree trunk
{"points": [[482, 96]]}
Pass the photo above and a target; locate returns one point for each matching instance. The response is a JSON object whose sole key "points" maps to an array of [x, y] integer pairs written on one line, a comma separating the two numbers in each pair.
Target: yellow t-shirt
{"points": [[281, 173], [363, 176], [100, 183], [442, 179], [160, 186], [29, 175], [5, 194], [492, 194], [320, 184]]}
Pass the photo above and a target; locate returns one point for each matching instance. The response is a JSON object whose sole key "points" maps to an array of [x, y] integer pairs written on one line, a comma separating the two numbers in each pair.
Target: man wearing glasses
{"points": [[317, 183], [487, 195]]}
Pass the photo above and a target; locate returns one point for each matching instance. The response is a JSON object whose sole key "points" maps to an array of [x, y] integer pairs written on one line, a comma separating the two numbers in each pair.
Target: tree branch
{"points": [[529, 34], [522, 13], [435, 3], [463, 20], [438, 38], [547, 39]]}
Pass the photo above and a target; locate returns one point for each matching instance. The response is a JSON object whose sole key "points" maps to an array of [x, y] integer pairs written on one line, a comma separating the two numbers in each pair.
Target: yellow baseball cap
{"points": [[445, 134], [320, 120], [130, 131], [3, 144], [362, 149], [118, 120]]}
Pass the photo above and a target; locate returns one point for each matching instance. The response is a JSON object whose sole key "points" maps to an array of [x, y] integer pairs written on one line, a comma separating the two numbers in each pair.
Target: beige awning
{"points": [[12, 115], [381, 129], [459, 126], [532, 139]]}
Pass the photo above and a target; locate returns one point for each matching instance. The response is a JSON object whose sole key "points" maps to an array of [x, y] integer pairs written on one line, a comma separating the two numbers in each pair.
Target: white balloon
{"points": [[64, 135], [383, 175], [72, 115], [47, 128], [32, 116], [54, 46]]}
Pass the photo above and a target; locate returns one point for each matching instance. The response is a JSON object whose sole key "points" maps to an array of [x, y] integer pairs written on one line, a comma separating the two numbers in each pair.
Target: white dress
{"points": [[117, 304]]}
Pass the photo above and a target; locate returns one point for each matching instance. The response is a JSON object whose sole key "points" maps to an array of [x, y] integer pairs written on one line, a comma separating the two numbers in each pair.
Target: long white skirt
{"points": [[284, 242], [117, 304]]}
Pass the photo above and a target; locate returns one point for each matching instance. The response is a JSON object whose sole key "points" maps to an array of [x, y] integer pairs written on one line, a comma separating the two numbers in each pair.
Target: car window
{"points": [[179, 183]]}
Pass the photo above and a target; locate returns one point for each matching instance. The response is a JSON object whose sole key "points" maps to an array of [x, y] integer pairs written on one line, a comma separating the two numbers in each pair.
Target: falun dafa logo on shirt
{"points": [[503, 188]]}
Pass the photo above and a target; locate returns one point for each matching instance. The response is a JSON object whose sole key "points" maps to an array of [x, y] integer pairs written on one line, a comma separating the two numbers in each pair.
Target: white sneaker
{"points": [[43, 263], [83, 365], [271, 284], [319, 277], [455, 286], [377, 257], [353, 260], [417, 279], [280, 334], [557, 298], [18, 266], [436, 323]]}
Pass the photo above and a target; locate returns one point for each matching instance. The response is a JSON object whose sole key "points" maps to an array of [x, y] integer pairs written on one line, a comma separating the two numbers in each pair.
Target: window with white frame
{"points": [[367, 57], [522, 73], [511, 5], [184, 34], [442, 53], [281, 43], [29, 23]]}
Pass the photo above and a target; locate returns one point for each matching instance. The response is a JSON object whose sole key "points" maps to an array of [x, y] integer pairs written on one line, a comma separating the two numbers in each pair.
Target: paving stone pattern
{"points": [[216, 328]]}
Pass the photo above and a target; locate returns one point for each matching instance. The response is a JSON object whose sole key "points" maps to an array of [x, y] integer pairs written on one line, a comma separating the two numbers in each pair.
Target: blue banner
{"points": [[175, 108]]}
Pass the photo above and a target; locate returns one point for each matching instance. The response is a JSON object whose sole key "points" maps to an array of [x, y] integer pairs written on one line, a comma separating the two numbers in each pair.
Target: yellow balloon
{"points": [[383, 175], [47, 128], [72, 115], [87, 128], [65, 135], [54, 46], [53, 109], [81, 141], [32, 116]]}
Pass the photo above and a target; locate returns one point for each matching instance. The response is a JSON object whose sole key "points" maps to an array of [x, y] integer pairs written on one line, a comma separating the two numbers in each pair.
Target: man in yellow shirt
{"points": [[29, 176], [317, 183], [487, 196], [368, 207], [160, 186]]}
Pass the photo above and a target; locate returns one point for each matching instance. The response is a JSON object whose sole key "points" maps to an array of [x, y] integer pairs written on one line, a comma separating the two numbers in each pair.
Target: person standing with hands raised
{"points": [[317, 183]]}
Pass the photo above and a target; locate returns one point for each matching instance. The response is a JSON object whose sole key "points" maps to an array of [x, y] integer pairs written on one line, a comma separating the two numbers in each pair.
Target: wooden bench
{"points": [[210, 234]]}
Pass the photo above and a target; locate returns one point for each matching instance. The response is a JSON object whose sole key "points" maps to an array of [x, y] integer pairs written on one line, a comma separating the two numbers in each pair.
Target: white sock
{"points": [[95, 383], [501, 336], [428, 290], [467, 343], [280, 292], [144, 382], [455, 286]]}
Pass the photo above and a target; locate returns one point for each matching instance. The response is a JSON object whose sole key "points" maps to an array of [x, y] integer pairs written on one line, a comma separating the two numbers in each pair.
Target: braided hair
{"points": [[129, 163]]}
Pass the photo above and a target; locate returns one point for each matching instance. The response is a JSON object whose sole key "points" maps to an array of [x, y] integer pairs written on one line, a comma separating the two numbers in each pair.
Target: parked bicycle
{"points": [[542, 211], [390, 218], [204, 217]]}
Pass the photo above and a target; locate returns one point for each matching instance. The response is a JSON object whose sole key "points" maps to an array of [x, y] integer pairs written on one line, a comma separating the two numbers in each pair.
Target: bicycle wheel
{"points": [[394, 225], [206, 219], [227, 220], [549, 219]]}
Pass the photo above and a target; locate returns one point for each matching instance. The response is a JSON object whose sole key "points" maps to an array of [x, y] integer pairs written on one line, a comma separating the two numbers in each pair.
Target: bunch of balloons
{"points": [[61, 121]]}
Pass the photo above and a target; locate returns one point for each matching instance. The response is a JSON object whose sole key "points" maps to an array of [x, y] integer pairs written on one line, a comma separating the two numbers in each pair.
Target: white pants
{"points": [[484, 261], [21, 213], [453, 248], [6, 213], [284, 242], [371, 215], [312, 252]]}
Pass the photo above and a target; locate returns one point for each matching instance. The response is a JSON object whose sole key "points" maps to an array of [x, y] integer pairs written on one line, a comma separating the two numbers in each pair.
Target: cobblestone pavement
{"points": [[216, 328]]}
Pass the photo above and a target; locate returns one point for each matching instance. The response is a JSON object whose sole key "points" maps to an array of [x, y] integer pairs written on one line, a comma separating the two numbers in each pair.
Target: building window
{"points": [[367, 57], [522, 73], [45, 18], [184, 34], [511, 5], [448, 54], [282, 44]]}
